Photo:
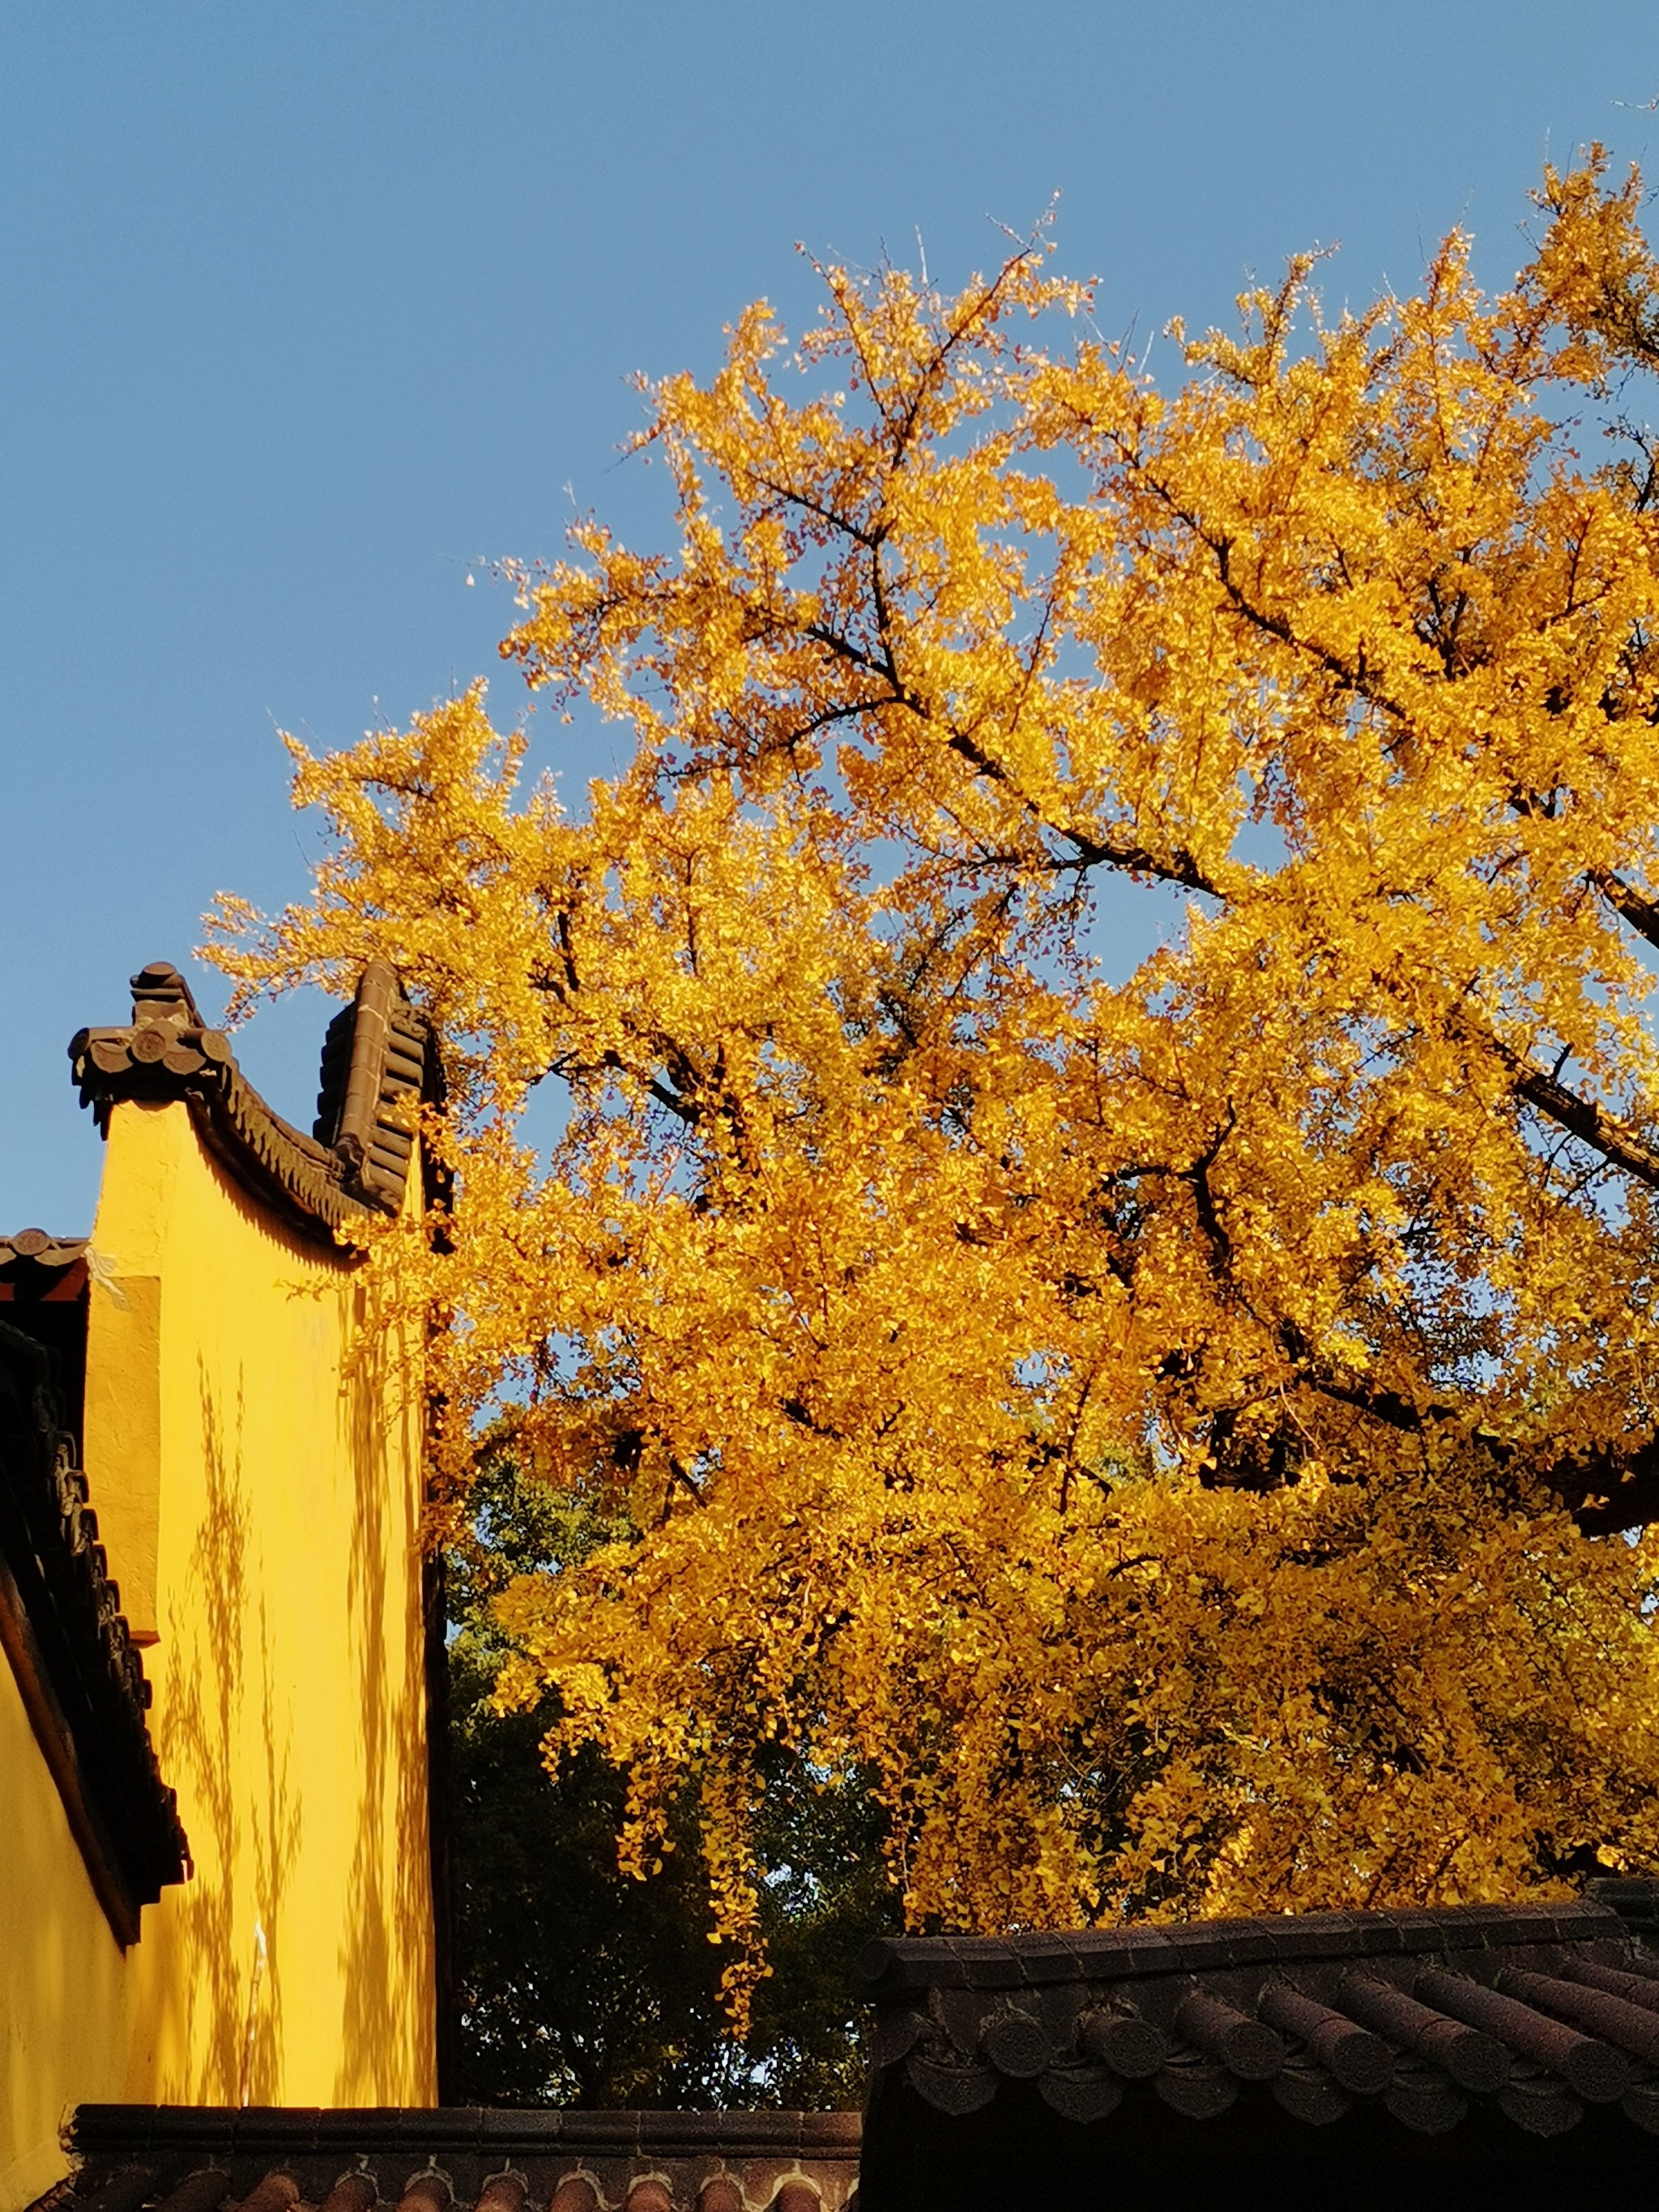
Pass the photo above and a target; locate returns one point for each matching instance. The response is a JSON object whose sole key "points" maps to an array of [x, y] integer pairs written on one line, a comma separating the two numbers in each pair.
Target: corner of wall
{"points": [[122, 1445]]}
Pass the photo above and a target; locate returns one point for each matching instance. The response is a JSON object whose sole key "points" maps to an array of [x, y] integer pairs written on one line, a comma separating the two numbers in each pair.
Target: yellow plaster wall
{"points": [[63, 1999], [259, 1498]]}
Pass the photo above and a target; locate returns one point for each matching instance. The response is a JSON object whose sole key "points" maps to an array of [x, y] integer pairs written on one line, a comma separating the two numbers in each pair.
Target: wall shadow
{"points": [[292, 1716], [220, 2025], [386, 1946]]}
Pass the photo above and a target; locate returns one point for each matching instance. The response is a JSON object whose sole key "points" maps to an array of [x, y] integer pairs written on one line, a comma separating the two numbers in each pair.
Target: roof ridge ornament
{"points": [[160, 994], [327, 1188], [378, 1064]]}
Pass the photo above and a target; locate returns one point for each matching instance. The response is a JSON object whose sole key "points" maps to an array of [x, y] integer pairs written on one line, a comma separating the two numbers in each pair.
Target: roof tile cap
{"points": [[40, 1246], [1196, 2087], [1016, 2044], [1590, 2067], [1353, 2055], [429, 2187], [1121, 2039], [352, 2192], [1245, 2046], [1473, 2059], [274, 2194], [161, 995], [504, 2192], [203, 2190], [649, 2195], [1082, 2093]]}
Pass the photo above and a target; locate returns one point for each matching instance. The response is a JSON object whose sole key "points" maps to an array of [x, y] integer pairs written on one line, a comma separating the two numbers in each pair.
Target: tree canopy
{"points": [[1162, 1428]]}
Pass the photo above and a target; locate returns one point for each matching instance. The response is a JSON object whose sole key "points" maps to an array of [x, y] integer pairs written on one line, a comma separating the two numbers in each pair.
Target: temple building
{"points": [[218, 1883], [220, 1924], [223, 1978]]}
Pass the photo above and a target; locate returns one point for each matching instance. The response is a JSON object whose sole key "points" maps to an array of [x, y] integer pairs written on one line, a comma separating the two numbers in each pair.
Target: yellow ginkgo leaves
{"points": [[1153, 1433]]}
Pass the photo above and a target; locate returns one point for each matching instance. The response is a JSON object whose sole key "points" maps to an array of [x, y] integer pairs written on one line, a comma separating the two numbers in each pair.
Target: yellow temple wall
{"points": [[253, 1453], [62, 1978]]}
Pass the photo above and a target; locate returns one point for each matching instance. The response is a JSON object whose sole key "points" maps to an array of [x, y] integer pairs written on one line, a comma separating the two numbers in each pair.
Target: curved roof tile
{"points": [[1535, 2013], [462, 2159]]}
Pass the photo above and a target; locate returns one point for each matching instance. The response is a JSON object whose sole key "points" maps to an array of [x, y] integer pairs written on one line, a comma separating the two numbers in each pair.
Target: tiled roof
{"points": [[462, 2160], [65, 1634], [1535, 2014], [43, 1292], [1476, 2056], [377, 1058]]}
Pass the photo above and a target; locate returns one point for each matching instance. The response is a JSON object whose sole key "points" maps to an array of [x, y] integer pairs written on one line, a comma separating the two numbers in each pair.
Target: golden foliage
{"points": [[1148, 1428]]}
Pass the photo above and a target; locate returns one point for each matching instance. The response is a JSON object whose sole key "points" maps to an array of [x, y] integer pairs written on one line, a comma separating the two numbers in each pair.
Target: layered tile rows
{"points": [[378, 1064], [138, 2159], [62, 1630], [1538, 2013]]}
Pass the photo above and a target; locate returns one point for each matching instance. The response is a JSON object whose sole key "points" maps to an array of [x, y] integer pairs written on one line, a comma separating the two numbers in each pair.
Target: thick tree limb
{"points": [[1605, 1133], [1606, 1492], [1640, 912]]}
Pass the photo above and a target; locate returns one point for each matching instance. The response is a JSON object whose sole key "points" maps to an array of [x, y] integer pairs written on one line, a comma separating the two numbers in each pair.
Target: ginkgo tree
{"points": [[1166, 1436]]}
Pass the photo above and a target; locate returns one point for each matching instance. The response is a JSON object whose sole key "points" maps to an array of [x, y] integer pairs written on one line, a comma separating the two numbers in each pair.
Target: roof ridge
{"points": [[326, 1186], [1135, 1949]]}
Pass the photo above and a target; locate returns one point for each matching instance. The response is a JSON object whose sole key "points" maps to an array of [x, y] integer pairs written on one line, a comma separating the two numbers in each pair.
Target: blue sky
{"points": [[311, 309]]}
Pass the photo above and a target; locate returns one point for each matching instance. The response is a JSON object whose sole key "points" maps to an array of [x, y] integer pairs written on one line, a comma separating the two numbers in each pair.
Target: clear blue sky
{"points": [[309, 307]]}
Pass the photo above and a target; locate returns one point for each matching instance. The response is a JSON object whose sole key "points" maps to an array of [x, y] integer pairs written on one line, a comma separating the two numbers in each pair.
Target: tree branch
{"points": [[1605, 1133], [1640, 912]]}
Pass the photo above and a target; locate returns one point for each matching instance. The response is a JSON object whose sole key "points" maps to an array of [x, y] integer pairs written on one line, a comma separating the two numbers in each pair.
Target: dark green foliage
{"points": [[579, 1986]]}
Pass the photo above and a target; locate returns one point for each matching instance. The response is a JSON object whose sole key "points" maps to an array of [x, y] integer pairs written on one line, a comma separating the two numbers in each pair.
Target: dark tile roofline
{"points": [[1532, 2010], [247, 2129], [190, 2159], [329, 1188], [1635, 1902], [82, 1679], [893, 1964]]}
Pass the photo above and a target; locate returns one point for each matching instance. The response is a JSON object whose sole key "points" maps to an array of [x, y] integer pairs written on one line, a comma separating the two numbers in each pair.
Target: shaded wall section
{"points": [[61, 1972], [89, 1832]]}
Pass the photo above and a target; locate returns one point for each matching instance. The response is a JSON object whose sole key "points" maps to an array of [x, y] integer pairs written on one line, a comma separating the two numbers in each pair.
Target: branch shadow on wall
{"points": [[220, 1745], [385, 1946]]}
